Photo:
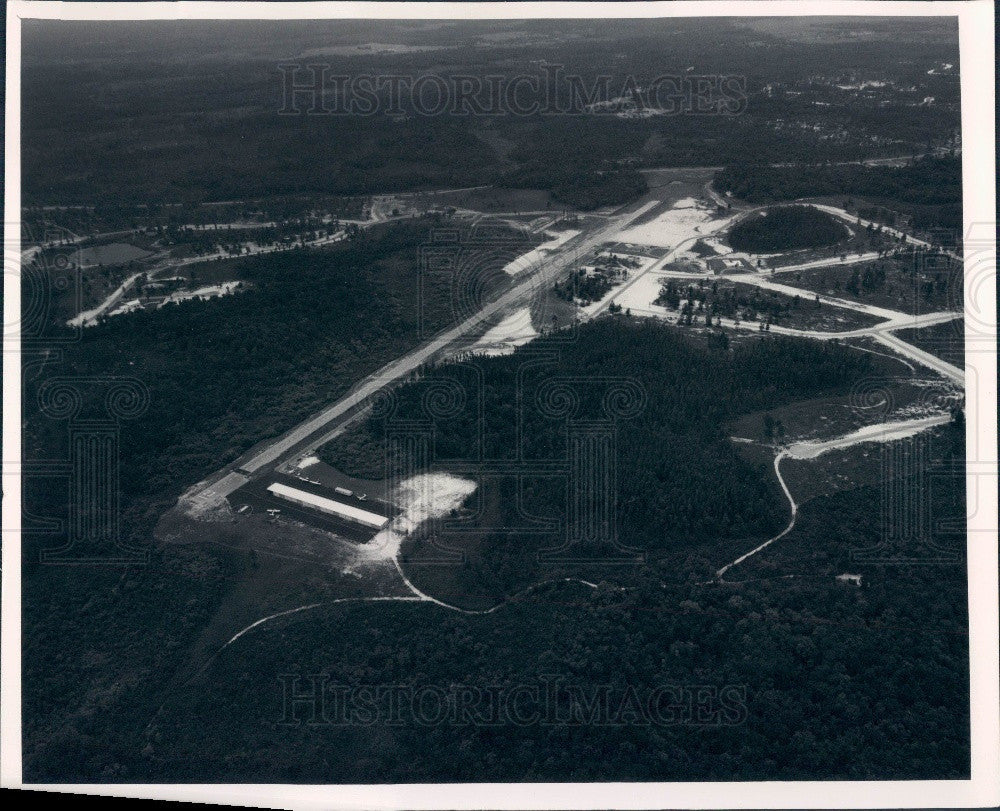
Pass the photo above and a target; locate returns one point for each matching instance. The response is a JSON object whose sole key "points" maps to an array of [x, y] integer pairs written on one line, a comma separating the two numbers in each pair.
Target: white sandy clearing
{"points": [[203, 293], [642, 294], [126, 307], [205, 505], [881, 432], [306, 461], [719, 246], [636, 276], [533, 257], [421, 497], [688, 218], [514, 331]]}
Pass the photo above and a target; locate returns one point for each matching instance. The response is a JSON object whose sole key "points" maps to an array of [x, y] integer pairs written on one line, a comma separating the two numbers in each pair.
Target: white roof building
{"points": [[328, 505]]}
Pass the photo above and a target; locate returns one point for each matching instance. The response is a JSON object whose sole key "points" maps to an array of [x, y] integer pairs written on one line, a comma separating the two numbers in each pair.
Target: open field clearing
{"points": [[420, 498], [677, 177], [618, 285], [880, 432], [717, 245], [492, 200], [513, 331], [684, 219], [115, 253], [532, 258], [889, 398], [818, 258], [281, 565], [946, 341], [637, 295]]}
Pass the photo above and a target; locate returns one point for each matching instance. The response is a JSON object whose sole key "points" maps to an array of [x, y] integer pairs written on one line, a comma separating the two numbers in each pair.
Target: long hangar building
{"points": [[328, 506]]}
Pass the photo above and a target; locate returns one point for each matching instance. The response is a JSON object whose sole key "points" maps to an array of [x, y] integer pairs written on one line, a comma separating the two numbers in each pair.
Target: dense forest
{"points": [[221, 375], [776, 678], [678, 476], [772, 678], [929, 190], [786, 228], [781, 673]]}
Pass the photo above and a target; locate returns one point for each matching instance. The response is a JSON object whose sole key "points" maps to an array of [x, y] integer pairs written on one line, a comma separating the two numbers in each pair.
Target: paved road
{"points": [[892, 319], [847, 217], [90, 317], [312, 431], [758, 280], [942, 367], [882, 332]]}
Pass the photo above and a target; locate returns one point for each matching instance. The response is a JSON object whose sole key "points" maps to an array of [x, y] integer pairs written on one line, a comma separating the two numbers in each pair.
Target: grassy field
{"points": [[885, 397], [896, 285], [946, 341], [805, 314]]}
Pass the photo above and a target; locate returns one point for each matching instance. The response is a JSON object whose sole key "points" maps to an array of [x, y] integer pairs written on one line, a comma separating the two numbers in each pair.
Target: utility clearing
{"points": [[881, 432]]}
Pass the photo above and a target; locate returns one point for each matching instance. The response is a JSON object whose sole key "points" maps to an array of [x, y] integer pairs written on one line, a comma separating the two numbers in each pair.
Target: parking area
{"points": [[254, 497]]}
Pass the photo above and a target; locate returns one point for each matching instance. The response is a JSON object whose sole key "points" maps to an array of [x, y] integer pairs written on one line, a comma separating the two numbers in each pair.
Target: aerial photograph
{"points": [[478, 401]]}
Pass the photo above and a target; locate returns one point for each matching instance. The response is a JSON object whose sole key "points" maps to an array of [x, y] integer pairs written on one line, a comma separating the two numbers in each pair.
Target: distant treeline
{"points": [[929, 190]]}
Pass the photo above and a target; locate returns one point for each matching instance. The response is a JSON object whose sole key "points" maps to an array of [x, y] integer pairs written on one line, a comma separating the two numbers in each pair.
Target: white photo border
{"points": [[976, 26]]}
